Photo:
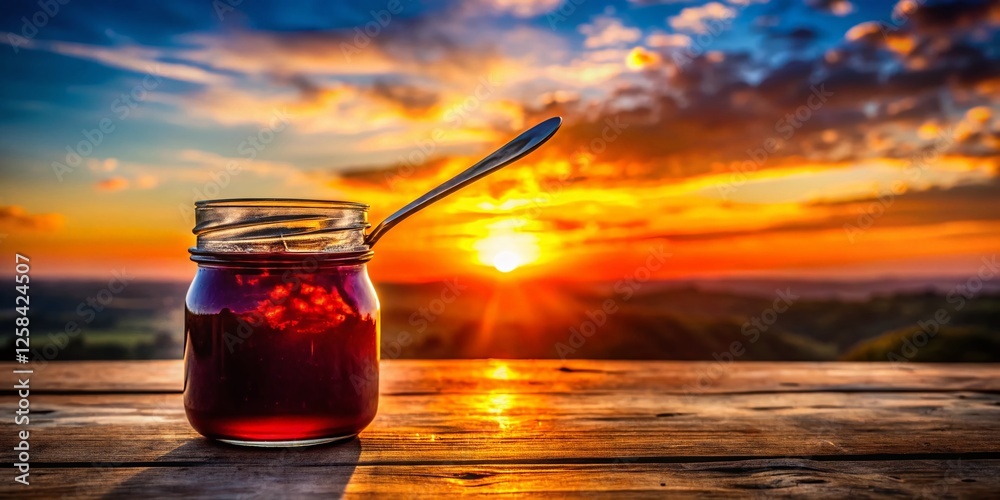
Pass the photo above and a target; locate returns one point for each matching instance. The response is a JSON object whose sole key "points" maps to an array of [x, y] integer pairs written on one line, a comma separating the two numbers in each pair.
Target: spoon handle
{"points": [[514, 150]]}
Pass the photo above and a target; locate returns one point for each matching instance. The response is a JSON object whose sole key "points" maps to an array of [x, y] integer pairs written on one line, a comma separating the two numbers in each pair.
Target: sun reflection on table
{"points": [[500, 372]]}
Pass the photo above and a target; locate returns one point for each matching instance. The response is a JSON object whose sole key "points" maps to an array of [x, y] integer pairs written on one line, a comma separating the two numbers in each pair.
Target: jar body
{"points": [[281, 355]]}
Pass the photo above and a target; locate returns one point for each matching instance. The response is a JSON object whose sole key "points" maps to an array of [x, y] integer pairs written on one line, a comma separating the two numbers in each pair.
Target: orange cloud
{"points": [[979, 115], [867, 30], [14, 216], [112, 184]]}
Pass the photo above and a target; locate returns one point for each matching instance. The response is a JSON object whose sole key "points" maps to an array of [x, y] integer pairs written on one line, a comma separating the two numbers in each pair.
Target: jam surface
{"points": [[281, 354]]}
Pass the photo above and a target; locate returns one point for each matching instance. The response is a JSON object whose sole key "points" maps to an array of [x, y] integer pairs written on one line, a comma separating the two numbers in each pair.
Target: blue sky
{"points": [[695, 85], [53, 95]]}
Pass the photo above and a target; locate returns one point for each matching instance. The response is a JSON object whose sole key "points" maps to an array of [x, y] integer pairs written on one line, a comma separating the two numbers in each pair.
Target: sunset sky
{"points": [[819, 138]]}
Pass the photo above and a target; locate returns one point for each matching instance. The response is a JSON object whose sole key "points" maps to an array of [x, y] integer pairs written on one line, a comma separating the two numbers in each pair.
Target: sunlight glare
{"points": [[507, 252], [501, 372], [506, 261]]}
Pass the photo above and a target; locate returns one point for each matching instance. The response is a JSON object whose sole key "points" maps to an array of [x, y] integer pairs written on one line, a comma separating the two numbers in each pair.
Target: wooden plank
{"points": [[786, 477], [110, 376], [545, 427], [575, 376], [529, 428]]}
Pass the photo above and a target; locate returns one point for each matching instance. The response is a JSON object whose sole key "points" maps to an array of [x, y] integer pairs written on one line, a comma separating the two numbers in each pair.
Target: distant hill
{"points": [[950, 343], [545, 319]]}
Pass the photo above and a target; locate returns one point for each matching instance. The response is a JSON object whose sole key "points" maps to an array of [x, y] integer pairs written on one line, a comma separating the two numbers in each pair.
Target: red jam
{"points": [[276, 354]]}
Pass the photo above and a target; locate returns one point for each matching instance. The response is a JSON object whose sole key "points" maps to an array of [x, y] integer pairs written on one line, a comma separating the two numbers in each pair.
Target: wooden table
{"points": [[545, 427]]}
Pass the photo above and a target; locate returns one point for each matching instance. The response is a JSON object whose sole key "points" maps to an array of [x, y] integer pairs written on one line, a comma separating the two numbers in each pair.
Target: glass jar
{"points": [[281, 323]]}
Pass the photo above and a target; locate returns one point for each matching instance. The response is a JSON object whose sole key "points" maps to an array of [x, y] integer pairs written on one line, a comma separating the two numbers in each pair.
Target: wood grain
{"points": [[740, 479], [500, 426], [668, 377], [545, 427]]}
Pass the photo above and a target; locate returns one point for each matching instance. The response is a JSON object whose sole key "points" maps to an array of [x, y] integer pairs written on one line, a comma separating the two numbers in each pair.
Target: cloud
{"points": [[16, 217], [682, 121], [146, 181], [193, 166], [196, 167], [969, 205], [664, 2], [969, 202], [835, 7], [336, 108], [105, 165], [524, 8], [416, 70], [451, 47], [937, 17], [660, 39], [143, 60], [116, 183], [333, 82], [645, 131], [608, 31], [410, 100], [979, 115], [698, 19]]}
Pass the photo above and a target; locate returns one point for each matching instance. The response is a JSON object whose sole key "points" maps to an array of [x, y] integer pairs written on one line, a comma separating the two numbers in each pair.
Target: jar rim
{"points": [[279, 260], [280, 225], [279, 202]]}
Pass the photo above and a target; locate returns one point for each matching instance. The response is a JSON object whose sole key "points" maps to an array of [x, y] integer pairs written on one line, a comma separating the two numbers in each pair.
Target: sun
{"points": [[507, 252], [506, 261]]}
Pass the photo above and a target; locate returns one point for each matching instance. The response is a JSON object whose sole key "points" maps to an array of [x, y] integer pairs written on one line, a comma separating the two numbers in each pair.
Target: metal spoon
{"points": [[514, 150]]}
